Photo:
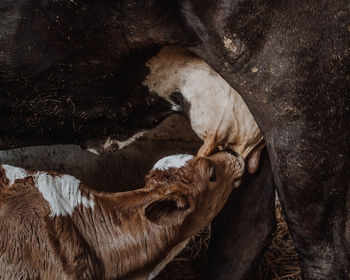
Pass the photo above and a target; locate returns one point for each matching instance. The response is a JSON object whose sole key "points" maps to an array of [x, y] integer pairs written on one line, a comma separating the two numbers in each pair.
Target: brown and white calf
{"points": [[54, 227]]}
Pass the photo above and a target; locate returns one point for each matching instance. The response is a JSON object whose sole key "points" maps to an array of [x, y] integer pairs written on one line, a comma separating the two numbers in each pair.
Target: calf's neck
{"points": [[54, 227]]}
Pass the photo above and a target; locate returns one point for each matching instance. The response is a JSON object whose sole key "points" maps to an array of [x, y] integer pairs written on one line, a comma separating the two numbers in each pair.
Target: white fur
{"points": [[229, 45], [127, 142], [215, 107], [174, 161], [93, 151], [14, 173], [61, 192], [109, 144]]}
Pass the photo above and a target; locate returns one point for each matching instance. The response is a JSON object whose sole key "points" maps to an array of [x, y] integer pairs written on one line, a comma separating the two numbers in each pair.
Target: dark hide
{"points": [[71, 71], [290, 62], [64, 79], [244, 225]]}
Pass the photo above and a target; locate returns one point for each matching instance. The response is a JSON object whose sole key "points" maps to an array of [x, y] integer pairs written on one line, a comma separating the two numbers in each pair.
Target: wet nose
{"points": [[231, 152]]}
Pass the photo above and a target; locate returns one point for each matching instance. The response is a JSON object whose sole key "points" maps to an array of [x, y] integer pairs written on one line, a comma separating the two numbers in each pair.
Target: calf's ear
{"points": [[169, 210]]}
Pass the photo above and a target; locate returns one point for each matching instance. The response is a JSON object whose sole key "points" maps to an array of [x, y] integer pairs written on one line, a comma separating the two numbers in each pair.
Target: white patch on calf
{"points": [[61, 192], [174, 161], [14, 173]]}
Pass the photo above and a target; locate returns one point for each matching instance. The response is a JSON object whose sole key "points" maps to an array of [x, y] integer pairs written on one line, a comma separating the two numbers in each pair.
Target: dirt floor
{"points": [[279, 262]]}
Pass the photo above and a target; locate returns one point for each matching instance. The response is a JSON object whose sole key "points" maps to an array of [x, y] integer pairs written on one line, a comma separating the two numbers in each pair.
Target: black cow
{"points": [[290, 62], [72, 72]]}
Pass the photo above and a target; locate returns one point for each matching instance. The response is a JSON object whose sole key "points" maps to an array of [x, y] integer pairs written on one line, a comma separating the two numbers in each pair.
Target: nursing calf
{"points": [[54, 227]]}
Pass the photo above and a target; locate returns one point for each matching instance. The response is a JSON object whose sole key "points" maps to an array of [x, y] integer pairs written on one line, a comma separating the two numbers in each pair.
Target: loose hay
{"points": [[280, 261], [190, 263]]}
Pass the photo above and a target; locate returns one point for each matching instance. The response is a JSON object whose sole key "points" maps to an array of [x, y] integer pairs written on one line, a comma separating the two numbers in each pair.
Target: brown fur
{"points": [[126, 235], [3, 179]]}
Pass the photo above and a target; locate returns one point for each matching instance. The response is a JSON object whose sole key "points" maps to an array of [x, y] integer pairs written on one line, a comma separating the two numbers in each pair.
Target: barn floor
{"points": [[279, 262]]}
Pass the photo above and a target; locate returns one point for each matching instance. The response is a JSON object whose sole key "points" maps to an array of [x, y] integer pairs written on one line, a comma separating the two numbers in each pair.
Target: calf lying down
{"points": [[54, 227]]}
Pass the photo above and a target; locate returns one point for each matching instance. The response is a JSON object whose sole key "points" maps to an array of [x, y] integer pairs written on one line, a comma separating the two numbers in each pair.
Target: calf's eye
{"points": [[237, 181], [212, 174]]}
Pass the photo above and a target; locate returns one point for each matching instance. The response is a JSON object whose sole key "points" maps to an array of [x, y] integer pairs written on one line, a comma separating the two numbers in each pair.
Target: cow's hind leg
{"points": [[241, 230], [313, 185]]}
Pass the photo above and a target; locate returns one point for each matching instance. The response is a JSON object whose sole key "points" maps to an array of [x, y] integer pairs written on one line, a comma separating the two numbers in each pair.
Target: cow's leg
{"points": [[314, 187], [241, 230], [295, 81]]}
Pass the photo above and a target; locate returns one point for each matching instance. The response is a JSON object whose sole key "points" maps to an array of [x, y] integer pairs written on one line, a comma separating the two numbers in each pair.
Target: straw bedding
{"points": [[279, 262]]}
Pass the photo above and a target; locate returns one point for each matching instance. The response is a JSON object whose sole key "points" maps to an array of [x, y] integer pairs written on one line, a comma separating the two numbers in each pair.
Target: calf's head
{"points": [[194, 189]]}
